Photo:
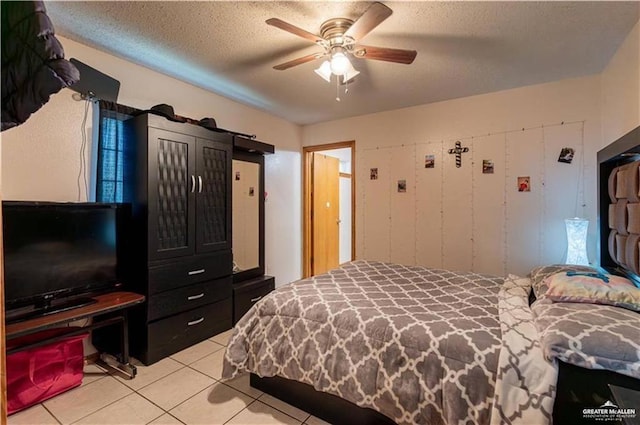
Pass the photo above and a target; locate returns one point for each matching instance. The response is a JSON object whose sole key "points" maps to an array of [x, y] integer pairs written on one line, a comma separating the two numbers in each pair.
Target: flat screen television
{"points": [[57, 253]]}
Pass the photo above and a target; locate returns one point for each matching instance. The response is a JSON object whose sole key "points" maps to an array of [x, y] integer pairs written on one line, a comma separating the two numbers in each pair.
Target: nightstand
{"points": [[249, 292], [627, 398]]}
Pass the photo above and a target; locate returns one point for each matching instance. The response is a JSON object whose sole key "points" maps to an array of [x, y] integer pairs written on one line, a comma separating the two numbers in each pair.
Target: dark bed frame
{"points": [[578, 388]]}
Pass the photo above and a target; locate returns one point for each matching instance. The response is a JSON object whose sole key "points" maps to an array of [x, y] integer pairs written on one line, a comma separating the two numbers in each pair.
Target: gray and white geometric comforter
{"points": [[421, 346]]}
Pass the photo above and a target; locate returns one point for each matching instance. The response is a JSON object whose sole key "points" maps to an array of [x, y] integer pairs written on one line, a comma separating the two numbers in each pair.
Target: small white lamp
{"points": [[577, 241]]}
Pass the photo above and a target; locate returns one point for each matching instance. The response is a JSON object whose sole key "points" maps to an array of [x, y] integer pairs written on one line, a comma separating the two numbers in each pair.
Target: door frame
{"points": [[307, 242]]}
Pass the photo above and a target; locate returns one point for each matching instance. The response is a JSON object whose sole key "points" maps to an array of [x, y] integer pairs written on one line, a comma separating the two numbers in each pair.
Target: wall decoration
{"points": [[373, 174], [456, 218], [402, 186], [237, 175], [524, 184], [458, 151], [251, 191], [566, 155], [429, 161], [487, 166]]}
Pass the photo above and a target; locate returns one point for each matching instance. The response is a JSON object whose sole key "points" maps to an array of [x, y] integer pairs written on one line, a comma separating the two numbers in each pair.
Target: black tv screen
{"points": [[57, 250]]}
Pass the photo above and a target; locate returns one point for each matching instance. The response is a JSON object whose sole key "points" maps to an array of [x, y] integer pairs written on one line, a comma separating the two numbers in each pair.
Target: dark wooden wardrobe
{"points": [[177, 177]]}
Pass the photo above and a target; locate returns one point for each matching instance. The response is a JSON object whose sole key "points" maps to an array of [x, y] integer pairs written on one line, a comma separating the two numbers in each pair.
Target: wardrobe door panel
{"points": [[213, 196], [171, 188]]}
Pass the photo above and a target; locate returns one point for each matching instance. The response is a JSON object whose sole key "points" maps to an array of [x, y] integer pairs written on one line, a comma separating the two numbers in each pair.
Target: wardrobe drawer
{"points": [[175, 333], [188, 297], [246, 294], [187, 271]]}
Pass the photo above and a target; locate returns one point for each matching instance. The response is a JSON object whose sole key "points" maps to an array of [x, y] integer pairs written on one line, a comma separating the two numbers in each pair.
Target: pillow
{"points": [[590, 335], [539, 274], [593, 288]]}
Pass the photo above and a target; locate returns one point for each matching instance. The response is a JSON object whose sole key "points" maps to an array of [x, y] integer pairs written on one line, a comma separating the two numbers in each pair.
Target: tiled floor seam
{"points": [[166, 413], [49, 411], [182, 402], [137, 391], [97, 410], [155, 380], [246, 407], [240, 391], [275, 408], [258, 401], [194, 361], [196, 370]]}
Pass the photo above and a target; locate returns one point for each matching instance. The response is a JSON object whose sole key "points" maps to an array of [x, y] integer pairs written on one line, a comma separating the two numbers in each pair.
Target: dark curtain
{"points": [[111, 145]]}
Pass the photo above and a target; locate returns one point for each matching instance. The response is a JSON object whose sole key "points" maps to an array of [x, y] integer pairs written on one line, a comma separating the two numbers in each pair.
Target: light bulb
{"points": [[339, 63]]}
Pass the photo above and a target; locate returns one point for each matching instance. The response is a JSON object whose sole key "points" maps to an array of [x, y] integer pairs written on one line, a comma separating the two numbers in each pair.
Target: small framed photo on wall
{"points": [[429, 161], [487, 166], [402, 186], [524, 184], [566, 155], [373, 174]]}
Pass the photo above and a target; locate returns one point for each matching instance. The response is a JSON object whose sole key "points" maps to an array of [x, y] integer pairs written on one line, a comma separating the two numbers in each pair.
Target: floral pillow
{"points": [[540, 274], [594, 288]]}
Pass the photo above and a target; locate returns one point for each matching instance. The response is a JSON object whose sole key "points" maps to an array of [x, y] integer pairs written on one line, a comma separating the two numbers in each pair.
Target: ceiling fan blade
{"points": [[298, 61], [279, 23], [370, 19], [385, 54]]}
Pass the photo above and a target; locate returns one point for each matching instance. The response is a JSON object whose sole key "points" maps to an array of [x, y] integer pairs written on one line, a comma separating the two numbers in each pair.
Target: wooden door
{"points": [[171, 186], [325, 214]]}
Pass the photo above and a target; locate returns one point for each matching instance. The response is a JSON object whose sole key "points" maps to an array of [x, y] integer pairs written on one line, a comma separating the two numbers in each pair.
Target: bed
{"points": [[373, 342]]}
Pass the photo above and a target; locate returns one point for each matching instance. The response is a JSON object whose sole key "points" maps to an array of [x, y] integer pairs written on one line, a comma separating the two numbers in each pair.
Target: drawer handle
{"points": [[192, 272], [195, 297], [255, 299], [195, 322]]}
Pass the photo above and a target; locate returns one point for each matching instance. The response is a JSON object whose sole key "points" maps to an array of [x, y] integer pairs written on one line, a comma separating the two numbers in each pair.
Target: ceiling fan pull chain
{"points": [[338, 89]]}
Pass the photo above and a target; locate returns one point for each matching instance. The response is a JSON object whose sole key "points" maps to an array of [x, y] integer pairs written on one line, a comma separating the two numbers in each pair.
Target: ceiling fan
{"points": [[339, 39]]}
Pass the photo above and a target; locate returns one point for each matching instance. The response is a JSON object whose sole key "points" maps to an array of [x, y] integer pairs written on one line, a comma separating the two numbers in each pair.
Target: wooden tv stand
{"points": [[109, 309]]}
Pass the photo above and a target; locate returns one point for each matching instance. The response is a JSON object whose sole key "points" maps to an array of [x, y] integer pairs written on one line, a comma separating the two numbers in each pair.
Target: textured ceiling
{"points": [[464, 48]]}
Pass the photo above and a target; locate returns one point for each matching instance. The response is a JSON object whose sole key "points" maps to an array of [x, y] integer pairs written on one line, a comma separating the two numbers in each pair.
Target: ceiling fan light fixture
{"points": [[324, 71], [339, 38], [339, 62], [350, 74]]}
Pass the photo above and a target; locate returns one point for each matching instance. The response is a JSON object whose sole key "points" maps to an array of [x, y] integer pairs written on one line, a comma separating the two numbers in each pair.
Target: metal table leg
{"points": [[121, 363]]}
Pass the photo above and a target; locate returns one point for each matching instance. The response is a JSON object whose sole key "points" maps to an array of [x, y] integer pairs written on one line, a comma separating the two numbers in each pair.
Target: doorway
{"points": [[329, 206]]}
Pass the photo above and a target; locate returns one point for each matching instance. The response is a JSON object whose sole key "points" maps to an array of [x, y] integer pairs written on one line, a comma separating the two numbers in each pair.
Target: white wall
{"points": [[344, 155], [460, 218], [621, 90], [345, 220], [40, 158]]}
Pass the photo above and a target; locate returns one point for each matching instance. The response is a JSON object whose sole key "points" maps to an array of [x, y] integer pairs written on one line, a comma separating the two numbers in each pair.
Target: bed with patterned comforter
{"points": [[418, 345]]}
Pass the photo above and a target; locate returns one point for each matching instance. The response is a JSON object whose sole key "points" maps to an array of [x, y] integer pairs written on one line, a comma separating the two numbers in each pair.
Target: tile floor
{"points": [[182, 389]]}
